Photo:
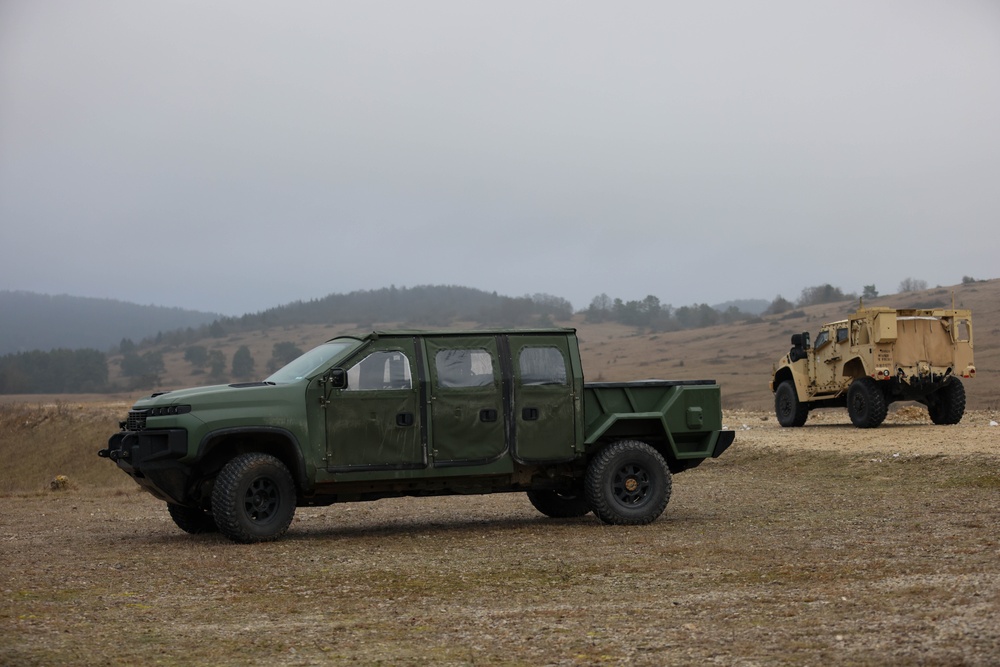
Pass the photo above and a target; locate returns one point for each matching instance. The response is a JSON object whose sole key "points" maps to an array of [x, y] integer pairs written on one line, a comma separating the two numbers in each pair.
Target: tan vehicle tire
{"points": [[787, 406], [947, 405], [865, 403]]}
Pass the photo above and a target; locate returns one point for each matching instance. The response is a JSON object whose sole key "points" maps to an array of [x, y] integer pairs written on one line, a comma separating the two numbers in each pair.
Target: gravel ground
{"points": [[819, 545]]}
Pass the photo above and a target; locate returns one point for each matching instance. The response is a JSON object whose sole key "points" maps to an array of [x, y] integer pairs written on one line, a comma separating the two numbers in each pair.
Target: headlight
{"points": [[168, 410]]}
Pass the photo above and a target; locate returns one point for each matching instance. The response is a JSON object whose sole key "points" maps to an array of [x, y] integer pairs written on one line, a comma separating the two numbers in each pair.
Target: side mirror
{"points": [[337, 377], [800, 343]]}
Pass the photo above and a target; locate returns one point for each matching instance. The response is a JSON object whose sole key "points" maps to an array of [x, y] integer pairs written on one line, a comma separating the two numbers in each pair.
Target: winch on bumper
{"points": [[151, 459]]}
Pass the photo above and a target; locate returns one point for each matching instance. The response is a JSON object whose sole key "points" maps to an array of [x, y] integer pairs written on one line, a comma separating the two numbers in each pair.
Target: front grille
{"points": [[136, 420]]}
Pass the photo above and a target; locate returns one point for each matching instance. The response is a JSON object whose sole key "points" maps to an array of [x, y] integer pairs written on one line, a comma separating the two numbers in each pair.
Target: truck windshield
{"points": [[311, 361]]}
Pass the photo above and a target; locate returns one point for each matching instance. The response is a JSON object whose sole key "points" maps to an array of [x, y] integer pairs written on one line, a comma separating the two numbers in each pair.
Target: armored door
{"points": [[374, 423], [546, 399], [466, 400]]}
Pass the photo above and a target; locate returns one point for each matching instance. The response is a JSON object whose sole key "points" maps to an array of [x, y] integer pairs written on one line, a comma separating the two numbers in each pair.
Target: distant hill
{"points": [[739, 355], [31, 321]]}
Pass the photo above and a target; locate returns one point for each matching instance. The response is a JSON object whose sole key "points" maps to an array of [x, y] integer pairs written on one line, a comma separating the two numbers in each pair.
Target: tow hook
{"points": [[113, 454]]}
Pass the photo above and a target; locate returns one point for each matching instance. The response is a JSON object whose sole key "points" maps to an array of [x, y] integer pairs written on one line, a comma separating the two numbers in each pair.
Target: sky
{"points": [[231, 156]]}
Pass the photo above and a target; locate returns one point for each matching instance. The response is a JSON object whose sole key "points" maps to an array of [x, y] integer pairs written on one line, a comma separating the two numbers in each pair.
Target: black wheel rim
{"points": [[785, 406], [261, 499], [631, 484]]}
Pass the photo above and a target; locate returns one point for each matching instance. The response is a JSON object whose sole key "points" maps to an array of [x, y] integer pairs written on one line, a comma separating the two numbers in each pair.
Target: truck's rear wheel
{"points": [[254, 498], [865, 403], [946, 406], [559, 504], [192, 519], [789, 410], [628, 483]]}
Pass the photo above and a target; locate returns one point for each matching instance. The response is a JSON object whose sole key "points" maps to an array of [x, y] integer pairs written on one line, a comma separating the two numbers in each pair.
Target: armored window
{"points": [[964, 332], [380, 370], [822, 338], [841, 335], [542, 365], [464, 368], [859, 332]]}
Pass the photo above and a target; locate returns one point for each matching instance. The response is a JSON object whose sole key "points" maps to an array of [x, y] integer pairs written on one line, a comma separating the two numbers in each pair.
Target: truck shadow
{"points": [[852, 427]]}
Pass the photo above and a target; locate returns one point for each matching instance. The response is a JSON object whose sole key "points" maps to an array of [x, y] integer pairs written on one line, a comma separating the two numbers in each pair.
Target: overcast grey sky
{"points": [[233, 156]]}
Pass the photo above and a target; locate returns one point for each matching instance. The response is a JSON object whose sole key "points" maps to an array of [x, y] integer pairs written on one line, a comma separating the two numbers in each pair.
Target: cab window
{"points": [[464, 368], [964, 333], [841, 335], [822, 339], [380, 370], [542, 365]]}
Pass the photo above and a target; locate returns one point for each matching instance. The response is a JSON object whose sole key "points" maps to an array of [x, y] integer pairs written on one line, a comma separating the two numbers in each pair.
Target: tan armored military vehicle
{"points": [[874, 357]]}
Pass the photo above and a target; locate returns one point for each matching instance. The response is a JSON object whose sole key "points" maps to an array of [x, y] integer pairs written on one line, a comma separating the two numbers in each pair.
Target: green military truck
{"points": [[416, 413]]}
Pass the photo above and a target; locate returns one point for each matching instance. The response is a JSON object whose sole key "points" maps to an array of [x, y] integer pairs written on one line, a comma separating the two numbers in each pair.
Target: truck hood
{"points": [[215, 395]]}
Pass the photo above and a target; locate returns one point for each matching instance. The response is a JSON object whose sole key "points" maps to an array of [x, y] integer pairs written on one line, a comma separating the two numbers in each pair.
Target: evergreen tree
{"points": [[243, 364]]}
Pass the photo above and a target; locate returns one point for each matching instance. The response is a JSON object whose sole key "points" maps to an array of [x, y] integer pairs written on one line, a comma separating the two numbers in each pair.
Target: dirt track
{"points": [[817, 545]]}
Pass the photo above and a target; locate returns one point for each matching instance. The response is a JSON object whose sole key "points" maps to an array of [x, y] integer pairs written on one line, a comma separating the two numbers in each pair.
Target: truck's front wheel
{"points": [[559, 504], [787, 406], [866, 403], [628, 483], [254, 498], [947, 405], [192, 519]]}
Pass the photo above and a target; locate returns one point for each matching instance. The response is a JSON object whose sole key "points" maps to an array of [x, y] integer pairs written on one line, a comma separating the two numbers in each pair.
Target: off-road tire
{"points": [[628, 483], [192, 519], [787, 407], [866, 403], [946, 406], [559, 504], [254, 498]]}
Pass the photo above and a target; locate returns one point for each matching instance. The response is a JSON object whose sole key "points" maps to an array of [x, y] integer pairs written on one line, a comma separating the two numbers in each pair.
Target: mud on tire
{"points": [[628, 483]]}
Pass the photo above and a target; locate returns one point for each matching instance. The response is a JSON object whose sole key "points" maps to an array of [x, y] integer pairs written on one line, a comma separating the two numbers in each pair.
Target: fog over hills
{"points": [[31, 321]]}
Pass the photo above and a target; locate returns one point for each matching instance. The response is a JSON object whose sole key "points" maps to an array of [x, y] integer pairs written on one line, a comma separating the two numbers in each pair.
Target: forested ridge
{"points": [[138, 358]]}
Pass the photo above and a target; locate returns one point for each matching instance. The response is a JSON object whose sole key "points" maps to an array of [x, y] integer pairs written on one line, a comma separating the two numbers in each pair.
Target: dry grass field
{"points": [[812, 546], [820, 545]]}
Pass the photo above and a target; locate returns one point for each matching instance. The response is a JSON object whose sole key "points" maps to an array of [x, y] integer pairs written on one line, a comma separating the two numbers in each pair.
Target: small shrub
{"points": [[59, 483]]}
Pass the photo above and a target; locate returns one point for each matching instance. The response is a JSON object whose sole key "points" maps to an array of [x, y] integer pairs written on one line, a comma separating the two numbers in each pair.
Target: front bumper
{"points": [[152, 459]]}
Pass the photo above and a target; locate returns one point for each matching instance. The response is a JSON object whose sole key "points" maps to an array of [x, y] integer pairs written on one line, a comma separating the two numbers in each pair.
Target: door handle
{"points": [[404, 419], [529, 414], [487, 415]]}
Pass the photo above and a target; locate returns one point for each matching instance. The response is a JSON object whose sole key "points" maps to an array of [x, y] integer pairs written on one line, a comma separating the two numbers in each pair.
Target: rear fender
{"points": [[855, 368]]}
